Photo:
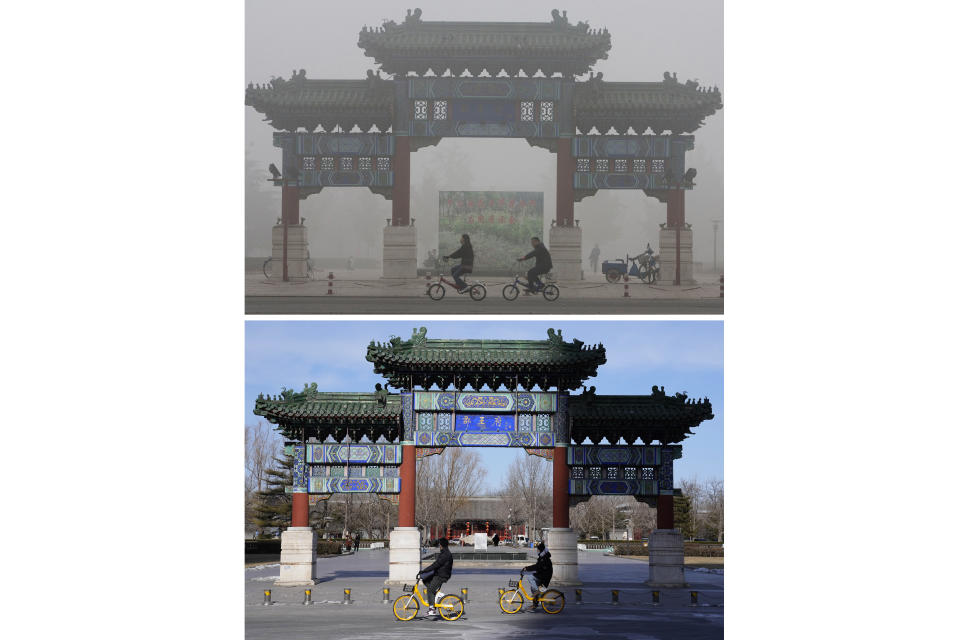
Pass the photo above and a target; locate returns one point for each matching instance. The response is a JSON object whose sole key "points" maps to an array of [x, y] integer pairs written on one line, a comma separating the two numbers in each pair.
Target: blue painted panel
{"points": [[485, 423], [483, 111]]}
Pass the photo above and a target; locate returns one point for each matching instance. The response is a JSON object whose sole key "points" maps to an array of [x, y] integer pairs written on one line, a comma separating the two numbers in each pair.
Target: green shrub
{"points": [[328, 547], [261, 546], [630, 548], [701, 549], [704, 549]]}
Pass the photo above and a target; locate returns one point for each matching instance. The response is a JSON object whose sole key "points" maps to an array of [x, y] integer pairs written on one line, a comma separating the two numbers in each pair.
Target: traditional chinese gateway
{"points": [[370, 442], [547, 106]]}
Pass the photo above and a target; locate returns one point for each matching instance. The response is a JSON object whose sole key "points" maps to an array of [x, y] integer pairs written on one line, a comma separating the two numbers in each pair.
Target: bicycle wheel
{"points": [[266, 268], [436, 291], [405, 608], [478, 292], [551, 292], [613, 276], [510, 292], [511, 601], [552, 601], [451, 607]]}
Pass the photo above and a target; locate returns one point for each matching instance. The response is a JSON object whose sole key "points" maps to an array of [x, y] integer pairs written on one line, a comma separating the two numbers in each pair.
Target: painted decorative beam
{"points": [[495, 401]]}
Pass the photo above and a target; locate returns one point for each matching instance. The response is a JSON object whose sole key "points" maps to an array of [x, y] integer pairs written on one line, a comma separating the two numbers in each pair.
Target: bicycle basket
{"points": [[513, 584], [408, 588]]}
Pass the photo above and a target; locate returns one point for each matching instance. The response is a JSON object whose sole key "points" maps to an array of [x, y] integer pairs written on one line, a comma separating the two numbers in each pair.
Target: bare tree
{"points": [[527, 491], [445, 483], [587, 518], [598, 515], [713, 507], [693, 491], [261, 445]]}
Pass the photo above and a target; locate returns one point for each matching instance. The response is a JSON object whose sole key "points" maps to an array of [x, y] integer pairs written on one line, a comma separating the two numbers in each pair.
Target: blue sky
{"points": [[680, 355]]}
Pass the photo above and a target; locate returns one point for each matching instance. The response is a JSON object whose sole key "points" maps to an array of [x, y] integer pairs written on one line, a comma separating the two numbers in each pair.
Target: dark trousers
{"points": [[458, 271], [432, 587], [533, 279]]}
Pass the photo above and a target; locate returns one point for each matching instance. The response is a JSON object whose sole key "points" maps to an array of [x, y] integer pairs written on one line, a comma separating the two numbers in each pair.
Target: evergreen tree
{"points": [[273, 505], [682, 517]]}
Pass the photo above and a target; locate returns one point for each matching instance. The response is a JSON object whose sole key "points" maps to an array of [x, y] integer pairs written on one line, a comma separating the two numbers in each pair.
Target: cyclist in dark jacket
{"points": [[437, 573], [465, 253], [542, 265], [542, 572]]}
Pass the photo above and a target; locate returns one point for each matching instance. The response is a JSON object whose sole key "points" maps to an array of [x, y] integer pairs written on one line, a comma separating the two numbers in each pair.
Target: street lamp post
{"points": [[716, 226]]}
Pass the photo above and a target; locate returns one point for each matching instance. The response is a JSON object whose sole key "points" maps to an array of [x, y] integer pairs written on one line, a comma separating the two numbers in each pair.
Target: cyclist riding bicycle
{"points": [[437, 573], [465, 253], [542, 573], [542, 265]]}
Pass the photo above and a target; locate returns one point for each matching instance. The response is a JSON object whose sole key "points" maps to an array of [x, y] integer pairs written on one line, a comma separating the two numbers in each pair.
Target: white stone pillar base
{"points": [[297, 270], [562, 544], [668, 257], [399, 252], [666, 558], [566, 253], [404, 555], [298, 557]]}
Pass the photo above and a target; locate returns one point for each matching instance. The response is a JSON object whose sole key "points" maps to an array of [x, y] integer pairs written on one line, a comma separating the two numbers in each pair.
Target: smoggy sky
{"points": [[648, 37], [681, 356]]}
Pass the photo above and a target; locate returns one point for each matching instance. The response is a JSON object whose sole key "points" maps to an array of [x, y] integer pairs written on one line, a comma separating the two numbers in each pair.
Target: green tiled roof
{"points": [[336, 407], [550, 362], [551, 47], [314, 414], [307, 103], [647, 418], [660, 106]]}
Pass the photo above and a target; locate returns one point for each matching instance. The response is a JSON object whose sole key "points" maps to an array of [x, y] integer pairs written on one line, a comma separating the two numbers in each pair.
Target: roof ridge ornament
{"points": [[418, 338], [555, 337]]}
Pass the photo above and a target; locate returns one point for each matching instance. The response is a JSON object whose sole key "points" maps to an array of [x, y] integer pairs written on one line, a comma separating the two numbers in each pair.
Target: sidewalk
{"points": [[635, 618], [364, 574], [368, 283]]}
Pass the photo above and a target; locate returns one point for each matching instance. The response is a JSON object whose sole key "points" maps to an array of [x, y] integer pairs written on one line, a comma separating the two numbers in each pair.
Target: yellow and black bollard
{"points": [[386, 595], [615, 596], [266, 597], [307, 596], [463, 595], [578, 596], [694, 598], [346, 597], [656, 596]]}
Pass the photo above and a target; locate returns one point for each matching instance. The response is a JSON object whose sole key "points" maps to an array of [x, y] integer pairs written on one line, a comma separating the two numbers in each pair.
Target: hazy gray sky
{"points": [[648, 38]]}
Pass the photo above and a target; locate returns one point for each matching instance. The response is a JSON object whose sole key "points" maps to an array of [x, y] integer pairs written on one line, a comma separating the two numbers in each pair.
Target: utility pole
{"points": [[716, 226]]}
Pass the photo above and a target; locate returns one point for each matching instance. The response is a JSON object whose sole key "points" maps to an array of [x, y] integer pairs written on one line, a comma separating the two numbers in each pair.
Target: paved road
{"points": [[492, 305], [634, 619]]}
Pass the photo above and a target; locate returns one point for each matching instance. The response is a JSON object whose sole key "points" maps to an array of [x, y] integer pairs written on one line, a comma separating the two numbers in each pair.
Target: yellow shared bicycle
{"points": [[405, 608], [512, 599]]}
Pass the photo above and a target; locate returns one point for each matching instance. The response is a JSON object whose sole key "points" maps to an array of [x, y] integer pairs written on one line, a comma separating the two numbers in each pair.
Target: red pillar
{"points": [[676, 215], [401, 182], [565, 166], [300, 512], [664, 512], [289, 214], [676, 219], [408, 486], [561, 489]]}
